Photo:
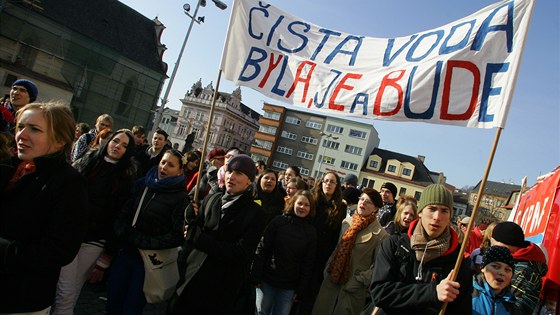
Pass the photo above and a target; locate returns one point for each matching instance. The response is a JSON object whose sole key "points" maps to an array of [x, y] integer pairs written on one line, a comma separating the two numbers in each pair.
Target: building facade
{"points": [[313, 142], [408, 173], [97, 58], [493, 204], [234, 124]]}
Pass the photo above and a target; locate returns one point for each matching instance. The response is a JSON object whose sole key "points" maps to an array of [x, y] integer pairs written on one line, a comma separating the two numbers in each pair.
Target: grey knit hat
{"points": [[436, 194]]}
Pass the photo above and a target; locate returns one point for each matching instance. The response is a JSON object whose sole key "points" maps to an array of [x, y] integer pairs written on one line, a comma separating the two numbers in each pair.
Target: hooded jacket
{"points": [[486, 302], [530, 266], [398, 288]]}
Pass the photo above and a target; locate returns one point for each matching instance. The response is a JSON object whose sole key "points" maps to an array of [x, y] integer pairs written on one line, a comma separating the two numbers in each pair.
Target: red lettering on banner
{"points": [[341, 85], [385, 83], [271, 66], [305, 80], [467, 65]]}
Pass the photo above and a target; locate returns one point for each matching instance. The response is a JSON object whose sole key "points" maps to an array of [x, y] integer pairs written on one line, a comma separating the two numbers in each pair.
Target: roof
{"points": [[421, 172], [496, 188], [112, 24]]}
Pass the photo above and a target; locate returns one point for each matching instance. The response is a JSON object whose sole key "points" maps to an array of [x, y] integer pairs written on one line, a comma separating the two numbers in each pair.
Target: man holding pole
{"points": [[413, 270]]}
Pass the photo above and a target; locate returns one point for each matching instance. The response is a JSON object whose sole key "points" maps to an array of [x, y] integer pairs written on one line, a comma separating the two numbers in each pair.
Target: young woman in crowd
{"points": [[293, 186], [109, 172], [270, 194], [348, 271], [161, 199], [291, 172], [407, 211], [330, 211], [478, 253], [43, 210], [284, 259]]}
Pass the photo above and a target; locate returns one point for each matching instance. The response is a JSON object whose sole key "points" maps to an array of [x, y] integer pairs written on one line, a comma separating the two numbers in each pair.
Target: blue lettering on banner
{"points": [[488, 90]]}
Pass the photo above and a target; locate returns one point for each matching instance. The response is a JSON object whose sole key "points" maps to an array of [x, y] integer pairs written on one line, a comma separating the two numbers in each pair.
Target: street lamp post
{"points": [[198, 20], [326, 135]]}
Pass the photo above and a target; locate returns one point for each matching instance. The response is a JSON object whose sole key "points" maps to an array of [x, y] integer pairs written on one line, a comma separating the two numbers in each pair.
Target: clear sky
{"points": [[529, 144]]}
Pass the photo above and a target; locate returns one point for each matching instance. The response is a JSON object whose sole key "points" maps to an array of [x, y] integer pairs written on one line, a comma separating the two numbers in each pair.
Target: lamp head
{"points": [[186, 7], [220, 4]]}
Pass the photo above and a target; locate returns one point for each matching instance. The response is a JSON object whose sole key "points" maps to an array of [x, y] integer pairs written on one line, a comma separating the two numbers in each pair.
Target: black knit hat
{"points": [[30, 87], [351, 195], [498, 253], [509, 233], [391, 187], [244, 164], [375, 196]]}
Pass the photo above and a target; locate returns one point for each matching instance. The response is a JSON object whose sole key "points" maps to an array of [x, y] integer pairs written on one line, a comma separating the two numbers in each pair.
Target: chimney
{"points": [[421, 158]]}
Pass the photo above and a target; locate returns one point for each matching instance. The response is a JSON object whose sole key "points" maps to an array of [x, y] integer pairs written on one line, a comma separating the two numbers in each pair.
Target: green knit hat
{"points": [[436, 194]]}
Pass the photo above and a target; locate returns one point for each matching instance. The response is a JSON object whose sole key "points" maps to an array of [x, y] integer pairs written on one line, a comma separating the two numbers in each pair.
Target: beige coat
{"points": [[350, 297]]}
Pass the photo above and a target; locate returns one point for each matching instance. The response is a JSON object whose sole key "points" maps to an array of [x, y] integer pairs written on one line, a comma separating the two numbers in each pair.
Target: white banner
{"points": [[460, 74]]}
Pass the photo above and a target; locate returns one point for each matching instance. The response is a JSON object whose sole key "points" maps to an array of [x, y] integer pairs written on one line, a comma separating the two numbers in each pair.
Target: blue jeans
{"points": [[125, 294], [273, 301]]}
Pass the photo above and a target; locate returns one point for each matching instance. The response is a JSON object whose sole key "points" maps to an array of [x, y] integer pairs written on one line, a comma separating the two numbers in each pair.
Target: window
{"points": [[357, 134], [305, 155], [349, 165], [334, 129], [289, 135], [331, 144], [417, 195], [406, 171], [263, 144], [310, 140], [182, 130], [267, 129], [285, 150], [373, 164], [402, 191], [304, 171], [353, 150], [293, 120], [271, 115], [313, 125], [279, 164], [391, 168], [327, 160]]}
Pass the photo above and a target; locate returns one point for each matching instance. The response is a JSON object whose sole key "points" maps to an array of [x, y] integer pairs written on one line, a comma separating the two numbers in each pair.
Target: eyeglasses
{"points": [[329, 181]]}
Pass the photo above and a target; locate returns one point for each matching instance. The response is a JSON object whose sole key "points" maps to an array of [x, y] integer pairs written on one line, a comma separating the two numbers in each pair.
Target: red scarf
{"points": [[23, 169]]}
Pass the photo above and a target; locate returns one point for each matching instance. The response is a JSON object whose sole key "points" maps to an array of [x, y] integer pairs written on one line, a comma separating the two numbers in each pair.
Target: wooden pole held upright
{"points": [[475, 211], [207, 137]]}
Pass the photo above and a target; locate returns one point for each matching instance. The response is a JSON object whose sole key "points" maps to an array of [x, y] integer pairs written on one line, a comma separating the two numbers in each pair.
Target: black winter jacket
{"points": [[229, 247], [43, 220], [396, 289], [285, 255], [160, 224]]}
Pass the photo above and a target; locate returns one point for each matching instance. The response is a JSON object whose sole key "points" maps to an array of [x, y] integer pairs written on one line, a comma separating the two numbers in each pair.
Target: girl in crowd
{"points": [[284, 258], [109, 172], [491, 288], [191, 169], [476, 255], [407, 211], [43, 210], [293, 186], [348, 272], [102, 137], [270, 194], [291, 172], [161, 199], [330, 211]]}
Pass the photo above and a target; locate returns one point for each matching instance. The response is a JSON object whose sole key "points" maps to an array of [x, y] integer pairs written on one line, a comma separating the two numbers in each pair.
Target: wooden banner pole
{"points": [[207, 136], [474, 212]]}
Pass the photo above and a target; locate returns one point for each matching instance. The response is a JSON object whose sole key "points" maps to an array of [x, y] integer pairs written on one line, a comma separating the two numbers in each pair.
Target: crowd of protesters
{"points": [[76, 204]]}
